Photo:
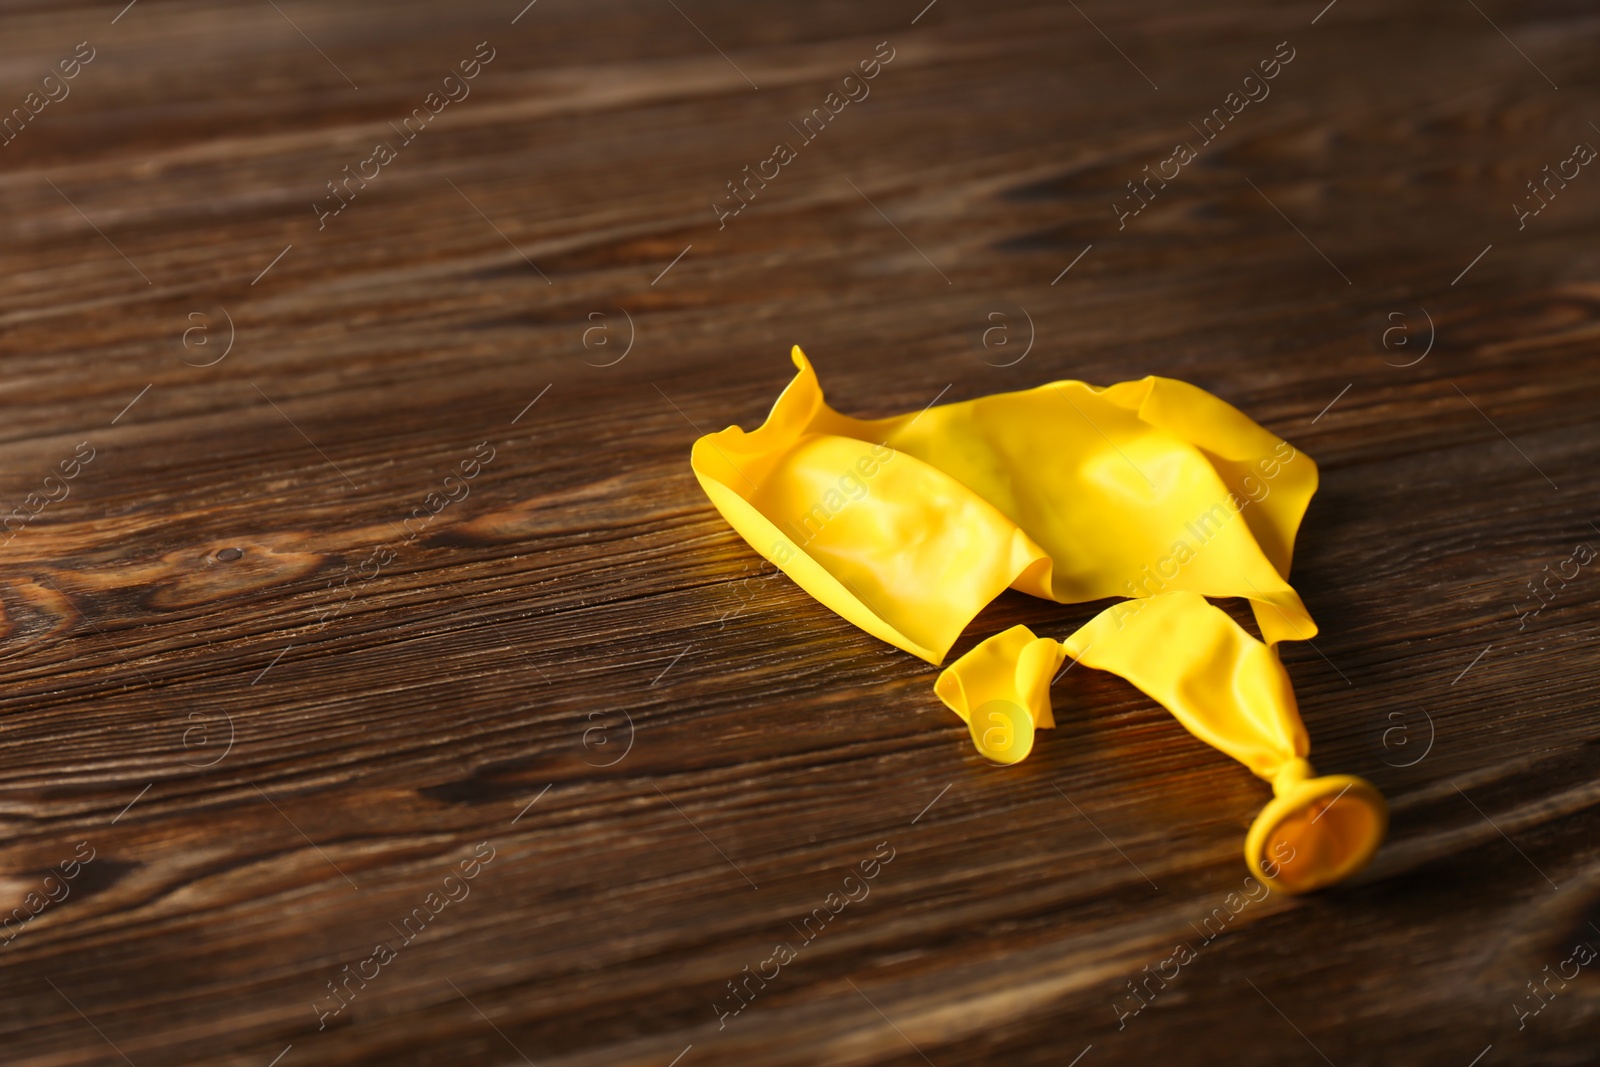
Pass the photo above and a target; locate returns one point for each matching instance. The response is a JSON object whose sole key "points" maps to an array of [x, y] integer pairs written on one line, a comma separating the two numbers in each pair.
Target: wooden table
{"points": [[380, 605]]}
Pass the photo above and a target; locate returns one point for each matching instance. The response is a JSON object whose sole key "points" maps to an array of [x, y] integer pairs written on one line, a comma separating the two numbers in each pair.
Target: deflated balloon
{"points": [[1154, 490]]}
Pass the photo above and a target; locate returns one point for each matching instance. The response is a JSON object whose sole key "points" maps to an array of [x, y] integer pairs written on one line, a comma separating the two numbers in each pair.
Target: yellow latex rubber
{"points": [[1153, 490]]}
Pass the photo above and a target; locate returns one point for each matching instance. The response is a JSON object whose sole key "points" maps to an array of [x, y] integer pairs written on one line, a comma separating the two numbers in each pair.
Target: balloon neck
{"points": [[1290, 775]]}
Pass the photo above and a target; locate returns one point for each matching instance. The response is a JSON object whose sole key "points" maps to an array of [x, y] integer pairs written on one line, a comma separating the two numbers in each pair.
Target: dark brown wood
{"points": [[278, 717]]}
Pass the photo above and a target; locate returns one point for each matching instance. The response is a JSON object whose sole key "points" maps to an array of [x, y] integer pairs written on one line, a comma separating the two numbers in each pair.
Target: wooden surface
{"points": [[278, 718]]}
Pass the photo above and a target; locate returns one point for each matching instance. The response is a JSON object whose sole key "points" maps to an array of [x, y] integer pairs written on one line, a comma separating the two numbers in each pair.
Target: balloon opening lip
{"points": [[1368, 828]]}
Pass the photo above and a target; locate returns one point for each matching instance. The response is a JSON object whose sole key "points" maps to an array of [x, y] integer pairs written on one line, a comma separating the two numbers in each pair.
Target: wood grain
{"points": [[279, 717]]}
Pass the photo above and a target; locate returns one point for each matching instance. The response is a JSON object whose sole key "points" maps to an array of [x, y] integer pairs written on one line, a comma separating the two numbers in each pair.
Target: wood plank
{"points": [[276, 754]]}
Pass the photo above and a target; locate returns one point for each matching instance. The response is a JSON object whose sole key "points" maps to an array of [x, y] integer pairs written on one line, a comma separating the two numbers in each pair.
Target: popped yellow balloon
{"points": [[1154, 491]]}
